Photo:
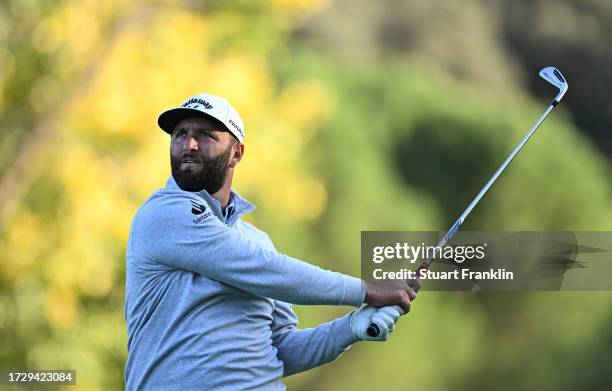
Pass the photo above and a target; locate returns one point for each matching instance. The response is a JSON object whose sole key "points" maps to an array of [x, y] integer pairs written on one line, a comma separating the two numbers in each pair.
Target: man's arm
{"points": [[304, 349], [169, 236]]}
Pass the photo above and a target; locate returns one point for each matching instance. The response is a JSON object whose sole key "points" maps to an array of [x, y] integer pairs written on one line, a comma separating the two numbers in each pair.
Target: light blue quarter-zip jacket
{"points": [[207, 300]]}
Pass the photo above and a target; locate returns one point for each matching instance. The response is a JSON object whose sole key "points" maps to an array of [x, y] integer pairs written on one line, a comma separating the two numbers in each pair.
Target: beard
{"points": [[210, 177]]}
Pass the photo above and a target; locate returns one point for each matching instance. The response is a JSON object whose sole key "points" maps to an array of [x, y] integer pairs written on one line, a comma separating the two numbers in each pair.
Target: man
{"points": [[207, 295]]}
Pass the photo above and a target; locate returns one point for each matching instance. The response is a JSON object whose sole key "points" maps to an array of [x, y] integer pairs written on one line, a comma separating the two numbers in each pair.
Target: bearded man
{"points": [[208, 297]]}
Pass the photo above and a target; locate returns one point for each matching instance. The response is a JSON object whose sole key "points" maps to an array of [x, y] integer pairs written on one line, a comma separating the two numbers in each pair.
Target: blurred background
{"points": [[360, 115]]}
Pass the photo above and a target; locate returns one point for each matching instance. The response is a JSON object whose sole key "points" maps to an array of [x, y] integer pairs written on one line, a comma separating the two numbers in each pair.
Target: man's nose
{"points": [[192, 143]]}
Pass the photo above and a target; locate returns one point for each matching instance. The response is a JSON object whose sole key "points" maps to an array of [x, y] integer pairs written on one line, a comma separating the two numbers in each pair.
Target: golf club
{"points": [[554, 77]]}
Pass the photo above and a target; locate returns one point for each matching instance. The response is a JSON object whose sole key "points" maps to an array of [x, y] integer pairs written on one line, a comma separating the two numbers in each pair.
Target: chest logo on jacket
{"points": [[197, 209]]}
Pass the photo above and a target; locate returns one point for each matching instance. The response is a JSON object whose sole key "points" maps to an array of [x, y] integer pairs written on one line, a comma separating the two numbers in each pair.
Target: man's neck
{"points": [[223, 195]]}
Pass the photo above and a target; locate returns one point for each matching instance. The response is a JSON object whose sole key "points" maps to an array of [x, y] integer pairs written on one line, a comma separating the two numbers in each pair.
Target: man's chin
{"points": [[188, 183], [187, 179]]}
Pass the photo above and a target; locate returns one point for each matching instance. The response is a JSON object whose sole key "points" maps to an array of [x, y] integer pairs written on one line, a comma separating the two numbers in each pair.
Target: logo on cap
{"points": [[198, 101], [237, 127]]}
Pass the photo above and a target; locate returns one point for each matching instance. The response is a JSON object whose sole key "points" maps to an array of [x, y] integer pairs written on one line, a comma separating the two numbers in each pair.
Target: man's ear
{"points": [[238, 152]]}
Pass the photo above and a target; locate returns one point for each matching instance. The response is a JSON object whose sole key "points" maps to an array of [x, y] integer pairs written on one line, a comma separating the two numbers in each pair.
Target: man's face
{"points": [[200, 154]]}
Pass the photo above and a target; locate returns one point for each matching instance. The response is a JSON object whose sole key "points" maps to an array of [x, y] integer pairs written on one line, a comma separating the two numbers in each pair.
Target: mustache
{"points": [[191, 156]]}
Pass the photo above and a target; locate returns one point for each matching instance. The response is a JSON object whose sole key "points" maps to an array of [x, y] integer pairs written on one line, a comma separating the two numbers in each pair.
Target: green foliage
{"points": [[407, 149]]}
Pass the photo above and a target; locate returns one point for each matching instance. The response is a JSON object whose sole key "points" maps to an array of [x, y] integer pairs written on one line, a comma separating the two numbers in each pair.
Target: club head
{"points": [[554, 77]]}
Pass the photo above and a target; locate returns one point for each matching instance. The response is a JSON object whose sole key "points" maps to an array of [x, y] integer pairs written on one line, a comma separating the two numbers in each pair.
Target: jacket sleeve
{"points": [[168, 235], [304, 349]]}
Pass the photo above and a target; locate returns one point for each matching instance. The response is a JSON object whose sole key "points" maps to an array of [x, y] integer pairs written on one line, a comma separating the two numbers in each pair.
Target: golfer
{"points": [[208, 296]]}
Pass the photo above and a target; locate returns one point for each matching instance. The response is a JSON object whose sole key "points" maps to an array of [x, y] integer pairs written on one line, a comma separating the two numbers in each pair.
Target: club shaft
{"points": [[490, 182], [373, 330]]}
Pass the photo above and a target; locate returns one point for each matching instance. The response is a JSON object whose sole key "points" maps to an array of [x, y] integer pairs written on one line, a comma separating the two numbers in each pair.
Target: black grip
{"points": [[373, 330]]}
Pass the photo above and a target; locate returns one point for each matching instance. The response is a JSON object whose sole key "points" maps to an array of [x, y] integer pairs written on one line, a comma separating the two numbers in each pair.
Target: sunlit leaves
{"points": [[115, 66]]}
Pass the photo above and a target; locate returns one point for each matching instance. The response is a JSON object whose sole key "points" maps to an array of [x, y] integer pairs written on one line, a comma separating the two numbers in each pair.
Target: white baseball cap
{"points": [[204, 105]]}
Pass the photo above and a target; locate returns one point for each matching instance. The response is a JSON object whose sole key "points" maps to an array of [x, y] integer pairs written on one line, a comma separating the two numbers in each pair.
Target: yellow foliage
{"points": [[109, 154], [304, 105], [149, 167], [22, 243], [243, 80], [49, 34], [95, 191], [301, 6], [73, 28], [277, 127], [96, 278], [112, 102], [61, 308], [306, 198], [62, 266], [275, 147]]}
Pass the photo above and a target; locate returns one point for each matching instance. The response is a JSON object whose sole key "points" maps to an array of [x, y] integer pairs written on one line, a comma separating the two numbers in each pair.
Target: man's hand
{"points": [[385, 318], [391, 292]]}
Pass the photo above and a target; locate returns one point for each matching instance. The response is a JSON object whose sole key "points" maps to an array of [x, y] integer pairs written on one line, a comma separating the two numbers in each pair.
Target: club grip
{"points": [[373, 330]]}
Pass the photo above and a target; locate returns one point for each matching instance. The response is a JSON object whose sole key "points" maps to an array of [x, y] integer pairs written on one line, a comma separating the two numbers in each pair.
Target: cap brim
{"points": [[168, 119]]}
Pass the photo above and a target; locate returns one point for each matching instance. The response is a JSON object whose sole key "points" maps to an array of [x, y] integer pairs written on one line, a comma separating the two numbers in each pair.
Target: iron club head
{"points": [[554, 77]]}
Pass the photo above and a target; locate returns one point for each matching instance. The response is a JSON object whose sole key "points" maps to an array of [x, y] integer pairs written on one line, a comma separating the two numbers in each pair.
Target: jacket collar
{"points": [[241, 205]]}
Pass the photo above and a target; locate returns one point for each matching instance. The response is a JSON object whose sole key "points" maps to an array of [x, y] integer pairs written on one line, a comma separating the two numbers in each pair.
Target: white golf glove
{"points": [[383, 317]]}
